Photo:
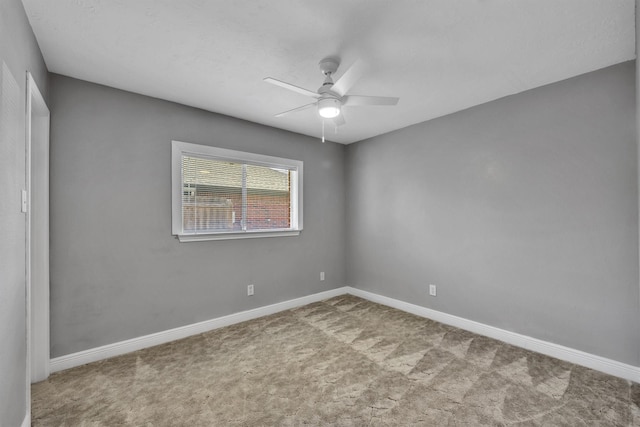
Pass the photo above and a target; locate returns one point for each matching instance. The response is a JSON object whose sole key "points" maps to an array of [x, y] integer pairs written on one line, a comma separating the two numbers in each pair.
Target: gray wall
{"points": [[19, 50], [523, 211], [116, 270]]}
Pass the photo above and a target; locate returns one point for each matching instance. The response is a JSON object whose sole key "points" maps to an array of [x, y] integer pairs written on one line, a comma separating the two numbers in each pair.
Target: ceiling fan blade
{"points": [[304, 107], [289, 86], [349, 78], [354, 100]]}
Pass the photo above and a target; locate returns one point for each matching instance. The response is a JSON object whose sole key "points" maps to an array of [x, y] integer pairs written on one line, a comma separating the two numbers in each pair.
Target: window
{"points": [[227, 194]]}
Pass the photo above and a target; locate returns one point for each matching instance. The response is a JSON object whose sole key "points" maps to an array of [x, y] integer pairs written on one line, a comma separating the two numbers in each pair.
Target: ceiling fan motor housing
{"points": [[328, 66]]}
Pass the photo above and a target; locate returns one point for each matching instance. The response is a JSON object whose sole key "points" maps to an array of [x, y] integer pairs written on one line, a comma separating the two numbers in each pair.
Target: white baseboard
{"points": [[116, 349], [578, 357]]}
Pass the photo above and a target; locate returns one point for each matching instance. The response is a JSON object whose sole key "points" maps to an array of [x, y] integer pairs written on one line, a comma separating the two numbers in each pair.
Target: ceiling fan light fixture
{"points": [[329, 108]]}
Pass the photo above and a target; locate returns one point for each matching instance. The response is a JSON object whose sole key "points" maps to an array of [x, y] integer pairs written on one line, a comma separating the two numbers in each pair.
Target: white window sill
{"points": [[236, 235]]}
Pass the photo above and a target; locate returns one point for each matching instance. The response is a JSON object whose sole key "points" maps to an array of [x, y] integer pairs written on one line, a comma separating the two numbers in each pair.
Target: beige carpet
{"points": [[345, 362]]}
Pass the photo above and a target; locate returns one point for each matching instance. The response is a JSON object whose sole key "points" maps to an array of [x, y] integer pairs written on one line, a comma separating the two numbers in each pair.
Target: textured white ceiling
{"points": [[438, 56]]}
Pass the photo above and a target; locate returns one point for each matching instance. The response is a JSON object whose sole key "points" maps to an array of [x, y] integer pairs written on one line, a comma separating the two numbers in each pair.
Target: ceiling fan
{"points": [[331, 97]]}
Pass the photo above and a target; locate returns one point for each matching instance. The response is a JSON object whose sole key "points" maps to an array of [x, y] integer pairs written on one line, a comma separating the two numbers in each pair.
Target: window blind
{"points": [[226, 196]]}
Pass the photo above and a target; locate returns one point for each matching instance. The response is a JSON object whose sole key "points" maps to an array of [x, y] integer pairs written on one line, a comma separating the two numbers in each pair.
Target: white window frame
{"points": [[180, 149]]}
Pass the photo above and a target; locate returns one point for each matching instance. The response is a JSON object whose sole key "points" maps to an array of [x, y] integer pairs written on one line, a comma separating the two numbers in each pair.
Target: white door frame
{"points": [[37, 238]]}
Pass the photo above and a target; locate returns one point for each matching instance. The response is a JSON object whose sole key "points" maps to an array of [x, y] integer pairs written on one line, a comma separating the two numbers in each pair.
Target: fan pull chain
{"points": [[323, 131]]}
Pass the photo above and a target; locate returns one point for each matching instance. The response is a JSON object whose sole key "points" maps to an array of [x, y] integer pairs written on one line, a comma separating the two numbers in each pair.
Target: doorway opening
{"points": [[37, 239]]}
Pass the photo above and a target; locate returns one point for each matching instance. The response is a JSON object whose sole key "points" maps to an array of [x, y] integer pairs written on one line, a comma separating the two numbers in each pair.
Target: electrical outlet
{"points": [[321, 275], [250, 290], [432, 290]]}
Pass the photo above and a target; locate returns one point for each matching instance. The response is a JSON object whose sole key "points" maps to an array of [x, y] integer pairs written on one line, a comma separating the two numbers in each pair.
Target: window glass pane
{"points": [[268, 198], [212, 195], [220, 194]]}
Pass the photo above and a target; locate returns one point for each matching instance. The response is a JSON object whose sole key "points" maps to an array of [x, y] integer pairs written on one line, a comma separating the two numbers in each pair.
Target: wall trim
{"points": [[578, 357], [26, 422], [116, 349]]}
